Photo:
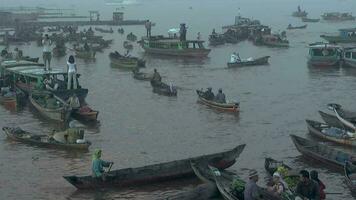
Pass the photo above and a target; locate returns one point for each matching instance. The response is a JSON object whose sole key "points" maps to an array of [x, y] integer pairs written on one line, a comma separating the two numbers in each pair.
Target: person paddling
{"points": [[98, 164]]}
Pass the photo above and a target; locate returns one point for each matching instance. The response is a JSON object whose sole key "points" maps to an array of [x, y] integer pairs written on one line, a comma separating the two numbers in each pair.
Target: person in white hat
{"points": [[251, 189]]}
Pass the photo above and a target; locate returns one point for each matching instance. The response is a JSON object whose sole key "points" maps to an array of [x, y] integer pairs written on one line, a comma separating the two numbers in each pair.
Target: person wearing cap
{"points": [[314, 177], [220, 97], [307, 189], [98, 164], [251, 189], [209, 95]]}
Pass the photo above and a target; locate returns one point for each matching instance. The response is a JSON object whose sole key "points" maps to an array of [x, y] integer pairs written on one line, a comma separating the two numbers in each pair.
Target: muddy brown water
{"points": [[139, 127]]}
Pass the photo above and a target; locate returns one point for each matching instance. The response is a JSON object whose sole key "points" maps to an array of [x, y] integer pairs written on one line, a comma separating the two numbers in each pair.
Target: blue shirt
{"points": [[98, 167]]}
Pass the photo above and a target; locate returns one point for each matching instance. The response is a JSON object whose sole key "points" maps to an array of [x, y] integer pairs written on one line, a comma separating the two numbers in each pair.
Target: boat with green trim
{"points": [[28, 76], [324, 54], [50, 106], [349, 57], [125, 61], [161, 45], [346, 35]]}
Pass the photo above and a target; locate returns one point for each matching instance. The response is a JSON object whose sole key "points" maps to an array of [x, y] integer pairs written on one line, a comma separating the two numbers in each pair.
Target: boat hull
{"points": [[228, 107], [157, 172], [179, 53], [9, 132], [322, 153], [257, 61], [338, 39]]}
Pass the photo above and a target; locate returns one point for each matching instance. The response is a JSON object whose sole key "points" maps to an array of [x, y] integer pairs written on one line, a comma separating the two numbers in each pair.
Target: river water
{"points": [[139, 127]]}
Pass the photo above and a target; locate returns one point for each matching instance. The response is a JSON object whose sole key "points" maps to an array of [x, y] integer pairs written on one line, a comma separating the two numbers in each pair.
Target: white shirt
{"points": [[46, 45], [233, 58], [71, 67]]}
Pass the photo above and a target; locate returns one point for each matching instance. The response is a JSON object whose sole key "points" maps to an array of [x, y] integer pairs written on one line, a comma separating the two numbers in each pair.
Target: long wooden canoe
{"points": [[164, 89], [321, 152], [60, 113], [230, 107], [350, 176], [156, 172], [258, 61], [329, 133], [17, 134]]}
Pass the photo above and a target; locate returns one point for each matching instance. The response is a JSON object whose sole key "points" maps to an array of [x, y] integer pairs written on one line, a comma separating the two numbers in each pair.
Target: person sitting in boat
{"points": [[209, 95], [98, 164], [73, 101], [277, 186], [314, 177], [307, 188], [220, 97], [235, 58], [156, 78], [86, 47]]}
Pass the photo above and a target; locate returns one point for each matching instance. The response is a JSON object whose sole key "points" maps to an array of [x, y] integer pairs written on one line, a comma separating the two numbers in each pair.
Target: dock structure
{"points": [[8, 21]]}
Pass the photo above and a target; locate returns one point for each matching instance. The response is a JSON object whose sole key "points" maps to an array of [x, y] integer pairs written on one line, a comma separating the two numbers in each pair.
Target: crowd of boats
{"points": [[56, 97]]}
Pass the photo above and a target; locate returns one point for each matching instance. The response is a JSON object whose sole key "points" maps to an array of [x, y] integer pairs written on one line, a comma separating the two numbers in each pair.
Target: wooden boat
{"points": [[156, 172], [101, 30], [160, 45], [231, 107], [142, 76], [349, 56], [273, 41], [85, 54], [271, 165], [323, 54], [346, 35], [17, 134], [59, 112], [350, 176], [305, 19], [344, 121], [297, 27], [164, 89], [125, 61], [223, 180], [332, 134], [85, 113], [250, 62], [131, 37], [336, 16], [321, 152]]}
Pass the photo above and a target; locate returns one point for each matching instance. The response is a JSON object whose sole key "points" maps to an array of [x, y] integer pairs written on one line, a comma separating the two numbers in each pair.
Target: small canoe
{"points": [[17, 134], [85, 113], [321, 152], [58, 111], [271, 165], [305, 19], [85, 54], [164, 89], [330, 133], [156, 172], [126, 61], [250, 62], [230, 107], [350, 176], [142, 76], [297, 27]]}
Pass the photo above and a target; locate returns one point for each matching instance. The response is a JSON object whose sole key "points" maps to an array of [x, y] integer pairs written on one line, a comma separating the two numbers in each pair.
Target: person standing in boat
{"points": [[156, 78], [86, 47], [307, 189], [314, 177], [72, 73], [148, 26], [251, 189], [199, 36], [47, 54], [183, 32], [98, 164], [220, 97]]}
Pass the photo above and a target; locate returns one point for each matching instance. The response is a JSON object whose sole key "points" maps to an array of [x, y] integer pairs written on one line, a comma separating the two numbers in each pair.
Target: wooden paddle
{"points": [[111, 164]]}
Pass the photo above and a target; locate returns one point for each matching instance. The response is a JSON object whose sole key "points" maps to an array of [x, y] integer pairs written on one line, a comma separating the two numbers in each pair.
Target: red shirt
{"points": [[321, 190]]}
